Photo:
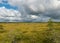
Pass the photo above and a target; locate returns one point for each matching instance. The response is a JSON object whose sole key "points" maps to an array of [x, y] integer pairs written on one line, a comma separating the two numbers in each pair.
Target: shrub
{"points": [[2, 29], [50, 33]]}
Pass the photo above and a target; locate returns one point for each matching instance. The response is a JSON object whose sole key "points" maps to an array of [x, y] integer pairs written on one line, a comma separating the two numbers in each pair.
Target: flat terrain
{"points": [[25, 31], [28, 26], [25, 26]]}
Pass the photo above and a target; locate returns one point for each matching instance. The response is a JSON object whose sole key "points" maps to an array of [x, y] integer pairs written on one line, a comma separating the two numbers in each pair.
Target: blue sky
{"points": [[6, 5], [29, 10]]}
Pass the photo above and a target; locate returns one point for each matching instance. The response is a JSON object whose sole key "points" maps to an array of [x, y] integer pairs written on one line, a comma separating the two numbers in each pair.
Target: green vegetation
{"points": [[30, 32], [50, 33], [2, 30]]}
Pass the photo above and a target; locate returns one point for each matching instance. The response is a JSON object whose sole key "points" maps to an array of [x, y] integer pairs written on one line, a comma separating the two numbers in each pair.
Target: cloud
{"points": [[0, 1], [37, 10], [36, 5], [9, 15]]}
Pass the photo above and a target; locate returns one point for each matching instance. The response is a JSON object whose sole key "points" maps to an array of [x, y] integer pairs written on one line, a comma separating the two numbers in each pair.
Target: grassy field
{"points": [[27, 32]]}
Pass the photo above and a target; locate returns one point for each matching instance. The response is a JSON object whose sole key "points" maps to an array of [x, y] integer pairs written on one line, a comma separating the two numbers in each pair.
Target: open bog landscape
{"points": [[30, 32], [29, 21]]}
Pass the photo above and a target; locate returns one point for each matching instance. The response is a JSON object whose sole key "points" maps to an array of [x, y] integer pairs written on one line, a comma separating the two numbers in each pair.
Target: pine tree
{"points": [[50, 33]]}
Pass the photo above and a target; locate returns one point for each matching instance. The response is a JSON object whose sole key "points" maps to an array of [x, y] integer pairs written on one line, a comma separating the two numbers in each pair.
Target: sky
{"points": [[29, 10]]}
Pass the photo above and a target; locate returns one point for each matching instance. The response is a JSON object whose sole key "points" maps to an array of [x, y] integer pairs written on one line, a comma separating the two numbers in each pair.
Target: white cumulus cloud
{"points": [[9, 14], [35, 10]]}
